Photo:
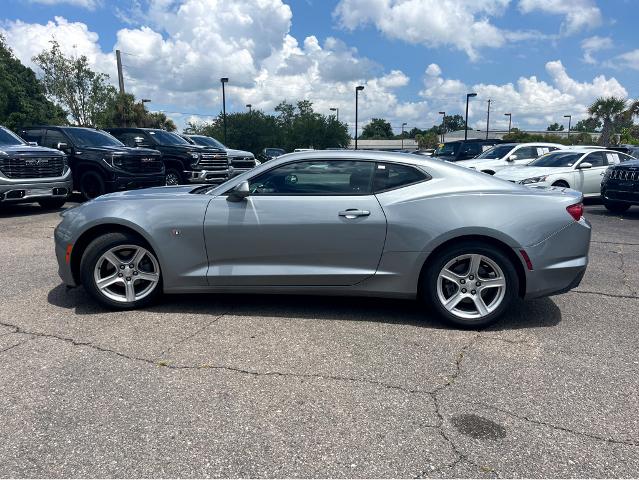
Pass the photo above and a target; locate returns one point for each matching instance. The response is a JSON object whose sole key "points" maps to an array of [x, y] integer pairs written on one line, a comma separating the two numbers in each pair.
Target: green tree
{"points": [[454, 123], [607, 110], [429, 139], [70, 82], [22, 96], [587, 125], [121, 110], [377, 129], [555, 127]]}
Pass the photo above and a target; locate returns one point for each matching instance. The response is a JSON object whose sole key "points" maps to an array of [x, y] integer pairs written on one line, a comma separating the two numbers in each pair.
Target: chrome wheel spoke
{"points": [[492, 283], [475, 261], [151, 277], [450, 276], [130, 291], [112, 259], [108, 281], [481, 307], [138, 256], [453, 301]]}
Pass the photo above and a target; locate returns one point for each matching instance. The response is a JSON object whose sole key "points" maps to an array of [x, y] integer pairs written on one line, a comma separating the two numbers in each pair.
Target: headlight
{"points": [[533, 180], [257, 162], [196, 158], [113, 160]]}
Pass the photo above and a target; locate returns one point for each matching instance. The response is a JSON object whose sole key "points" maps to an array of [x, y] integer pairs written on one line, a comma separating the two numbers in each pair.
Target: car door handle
{"points": [[354, 213]]}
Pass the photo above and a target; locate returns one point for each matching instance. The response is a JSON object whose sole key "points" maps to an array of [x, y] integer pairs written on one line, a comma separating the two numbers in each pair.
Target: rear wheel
{"points": [[52, 203], [120, 271], [92, 185], [470, 284], [616, 207], [173, 177]]}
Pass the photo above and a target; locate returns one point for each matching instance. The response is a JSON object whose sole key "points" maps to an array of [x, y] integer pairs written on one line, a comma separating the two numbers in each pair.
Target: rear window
{"points": [[389, 176]]}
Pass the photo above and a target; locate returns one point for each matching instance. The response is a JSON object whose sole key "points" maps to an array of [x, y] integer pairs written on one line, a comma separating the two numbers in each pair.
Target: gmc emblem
{"points": [[146, 160], [36, 161]]}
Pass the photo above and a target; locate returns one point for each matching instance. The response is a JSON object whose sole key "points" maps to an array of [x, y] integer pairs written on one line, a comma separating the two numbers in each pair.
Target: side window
{"points": [[524, 153], [391, 175], [613, 158], [128, 138], [32, 135], [470, 150], [316, 177], [597, 159], [52, 138]]}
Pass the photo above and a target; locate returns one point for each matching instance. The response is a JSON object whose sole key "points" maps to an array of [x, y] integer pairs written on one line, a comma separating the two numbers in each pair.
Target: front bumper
{"points": [[559, 262], [132, 182], [623, 195], [207, 176], [32, 191]]}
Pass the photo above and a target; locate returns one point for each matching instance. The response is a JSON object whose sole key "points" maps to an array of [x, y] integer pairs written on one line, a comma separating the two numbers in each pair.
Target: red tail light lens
{"points": [[576, 211]]}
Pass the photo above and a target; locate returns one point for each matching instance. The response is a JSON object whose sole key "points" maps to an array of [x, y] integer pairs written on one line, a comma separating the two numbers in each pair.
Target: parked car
{"points": [[354, 223], [632, 150], [270, 153], [239, 160], [99, 162], [463, 149], [184, 162], [506, 155], [426, 153], [29, 173], [620, 186], [579, 169]]}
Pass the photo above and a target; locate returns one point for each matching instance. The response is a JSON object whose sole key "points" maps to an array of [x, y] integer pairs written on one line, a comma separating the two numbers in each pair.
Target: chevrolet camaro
{"points": [[333, 223]]}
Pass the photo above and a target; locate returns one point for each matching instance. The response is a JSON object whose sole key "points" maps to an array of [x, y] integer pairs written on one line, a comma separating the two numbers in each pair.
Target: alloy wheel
{"points": [[126, 273], [172, 179], [471, 286]]}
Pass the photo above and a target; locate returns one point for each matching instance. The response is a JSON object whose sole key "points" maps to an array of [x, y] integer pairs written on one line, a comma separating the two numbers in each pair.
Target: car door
{"points": [[591, 177], [305, 223]]}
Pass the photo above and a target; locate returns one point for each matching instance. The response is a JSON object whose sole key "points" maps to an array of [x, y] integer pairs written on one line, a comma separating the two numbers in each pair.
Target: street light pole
{"points": [[468, 95], [488, 119], [358, 89], [443, 125], [336, 110], [569, 117], [510, 120], [250, 107], [224, 80], [403, 125]]}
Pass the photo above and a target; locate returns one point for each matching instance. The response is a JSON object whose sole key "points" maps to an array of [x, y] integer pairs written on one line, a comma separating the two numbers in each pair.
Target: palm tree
{"points": [[607, 110]]}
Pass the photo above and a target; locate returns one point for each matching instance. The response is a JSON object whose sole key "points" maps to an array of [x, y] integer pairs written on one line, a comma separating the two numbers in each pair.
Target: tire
{"points": [[52, 203], [91, 185], [456, 263], [561, 183], [173, 177], [125, 287], [616, 207]]}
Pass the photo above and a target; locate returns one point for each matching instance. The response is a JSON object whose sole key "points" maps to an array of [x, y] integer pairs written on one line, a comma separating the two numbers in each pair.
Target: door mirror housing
{"points": [[63, 147], [140, 143], [583, 165], [511, 158], [240, 192], [33, 144]]}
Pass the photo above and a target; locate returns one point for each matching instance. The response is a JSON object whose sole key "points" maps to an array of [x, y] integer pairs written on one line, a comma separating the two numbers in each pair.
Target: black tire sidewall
{"points": [[92, 254], [98, 178], [429, 283], [52, 203], [615, 207]]}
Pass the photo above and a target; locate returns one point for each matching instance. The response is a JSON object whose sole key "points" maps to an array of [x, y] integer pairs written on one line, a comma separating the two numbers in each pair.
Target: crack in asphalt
{"points": [[612, 295], [558, 427], [16, 345], [626, 280], [614, 243]]}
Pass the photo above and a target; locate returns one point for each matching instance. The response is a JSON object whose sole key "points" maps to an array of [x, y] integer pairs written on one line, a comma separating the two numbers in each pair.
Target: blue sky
{"points": [[537, 58]]}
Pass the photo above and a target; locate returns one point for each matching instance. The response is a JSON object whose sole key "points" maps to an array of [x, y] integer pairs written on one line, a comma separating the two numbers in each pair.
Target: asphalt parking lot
{"points": [[259, 386]]}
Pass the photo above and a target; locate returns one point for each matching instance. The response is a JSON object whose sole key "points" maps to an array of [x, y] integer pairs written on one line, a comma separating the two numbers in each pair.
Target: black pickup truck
{"points": [[99, 162], [184, 162]]}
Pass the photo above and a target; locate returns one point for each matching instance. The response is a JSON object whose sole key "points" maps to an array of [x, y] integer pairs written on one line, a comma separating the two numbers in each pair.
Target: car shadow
{"points": [[631, 214], [532, 314], [14, 210]]}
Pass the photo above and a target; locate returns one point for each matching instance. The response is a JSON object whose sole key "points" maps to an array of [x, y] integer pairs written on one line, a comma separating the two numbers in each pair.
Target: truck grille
{"points": [[139, 164], [213, 161], [242, 162], [624, 174], [32, 167]]}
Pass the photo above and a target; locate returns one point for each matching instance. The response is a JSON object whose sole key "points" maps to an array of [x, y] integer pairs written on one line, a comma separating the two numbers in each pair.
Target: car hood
{"points": [[28, 150], [238, 153], [523, 172], [121, 150]]}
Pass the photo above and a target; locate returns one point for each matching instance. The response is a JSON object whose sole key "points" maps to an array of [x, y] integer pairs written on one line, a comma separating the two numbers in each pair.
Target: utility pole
{"points": [[118, 59], [358, 89], [468, 96], [510, 120], [488, 119], [224, 80], [403, 125], [442, 136]]}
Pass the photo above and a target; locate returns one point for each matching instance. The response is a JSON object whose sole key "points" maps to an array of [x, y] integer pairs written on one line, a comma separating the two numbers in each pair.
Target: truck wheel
{"points": [[173, 177], [52, 203], [91, 185], [616, 207]]}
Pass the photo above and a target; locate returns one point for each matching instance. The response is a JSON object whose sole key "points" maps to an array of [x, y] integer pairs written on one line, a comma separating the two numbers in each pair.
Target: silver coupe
{"points": [[333, 223]]}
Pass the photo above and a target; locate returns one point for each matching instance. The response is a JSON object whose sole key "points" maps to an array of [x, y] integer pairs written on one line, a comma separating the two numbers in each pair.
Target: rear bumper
{"points": [[559, 262], [132, 182], [33, 191]]}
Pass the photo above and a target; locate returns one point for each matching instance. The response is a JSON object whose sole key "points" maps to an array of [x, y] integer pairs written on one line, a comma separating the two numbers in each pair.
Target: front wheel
{"points": [[616, 207], [120, 271], [173, 177], [470, 285], [92, 185]]}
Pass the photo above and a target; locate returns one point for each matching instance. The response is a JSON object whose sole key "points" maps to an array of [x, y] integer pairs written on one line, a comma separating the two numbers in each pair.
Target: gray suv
{"points": [[29, 173]]}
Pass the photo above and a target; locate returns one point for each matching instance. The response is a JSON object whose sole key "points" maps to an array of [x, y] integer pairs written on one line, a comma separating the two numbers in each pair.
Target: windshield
{"points": [[447, 149], [274, 152], [9, 138], [167, 138], [557, 159], [207, 141], [498, 151], [85, 137]]}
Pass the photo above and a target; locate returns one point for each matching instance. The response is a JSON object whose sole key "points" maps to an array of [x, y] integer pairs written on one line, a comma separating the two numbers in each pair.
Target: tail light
{"points": [[576, 211]]}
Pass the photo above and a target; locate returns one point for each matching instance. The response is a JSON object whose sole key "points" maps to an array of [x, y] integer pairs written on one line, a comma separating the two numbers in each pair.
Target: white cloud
{"points": [[625, 60], [89, 4], [592, 45], [534, 103], [578, 14]]}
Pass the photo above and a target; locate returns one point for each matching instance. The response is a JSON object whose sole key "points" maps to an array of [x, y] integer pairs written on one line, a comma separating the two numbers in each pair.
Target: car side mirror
{"points": [[140, 143], [239, 193], [583, 165], [33, 144], [512, 158], [63, 147]]}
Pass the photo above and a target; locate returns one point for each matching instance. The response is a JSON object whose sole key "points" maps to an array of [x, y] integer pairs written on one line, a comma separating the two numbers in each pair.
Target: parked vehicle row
{"points": [[506, 155]]}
